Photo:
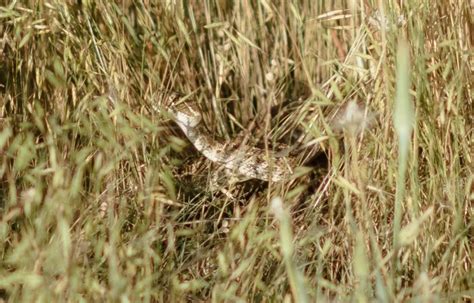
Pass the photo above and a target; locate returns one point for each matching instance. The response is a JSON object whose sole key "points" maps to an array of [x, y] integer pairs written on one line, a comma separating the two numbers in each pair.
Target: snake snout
{"points": [[187, 119]]}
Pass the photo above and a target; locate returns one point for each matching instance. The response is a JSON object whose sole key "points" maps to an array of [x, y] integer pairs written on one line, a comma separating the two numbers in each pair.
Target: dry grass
{"points": [[102, 198]]}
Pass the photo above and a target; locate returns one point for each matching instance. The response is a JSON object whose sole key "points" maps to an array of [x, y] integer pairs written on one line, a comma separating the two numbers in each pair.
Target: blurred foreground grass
{"points": [[101, 198]]}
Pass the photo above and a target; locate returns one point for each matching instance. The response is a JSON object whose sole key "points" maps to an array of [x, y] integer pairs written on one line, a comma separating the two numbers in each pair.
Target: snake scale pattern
{"points": [[243, 161]]}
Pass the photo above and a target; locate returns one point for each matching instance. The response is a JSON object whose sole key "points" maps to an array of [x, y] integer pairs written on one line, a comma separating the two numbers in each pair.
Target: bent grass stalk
{"points": [[295, 277], [403, 117]]}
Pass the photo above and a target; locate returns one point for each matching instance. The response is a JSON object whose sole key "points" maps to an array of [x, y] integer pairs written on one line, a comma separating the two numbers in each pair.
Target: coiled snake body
{"points": [[244, 161], [249, 162]]}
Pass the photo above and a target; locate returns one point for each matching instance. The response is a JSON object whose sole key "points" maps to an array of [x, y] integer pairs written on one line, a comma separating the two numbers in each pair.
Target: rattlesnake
{"points": [[245, 161], [253, 162]]}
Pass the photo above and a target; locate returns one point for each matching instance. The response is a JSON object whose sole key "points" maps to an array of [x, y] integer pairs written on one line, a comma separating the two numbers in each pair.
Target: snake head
{"points": [[182, 107], [186, 114]]}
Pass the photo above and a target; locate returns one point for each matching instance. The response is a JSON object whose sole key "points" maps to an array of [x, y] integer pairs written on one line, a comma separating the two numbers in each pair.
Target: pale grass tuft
{"points": [[354, 119]]}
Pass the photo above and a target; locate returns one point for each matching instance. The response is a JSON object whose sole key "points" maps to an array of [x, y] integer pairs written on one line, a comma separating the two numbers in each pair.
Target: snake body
{"points": [[246, 161], [249, 162]]}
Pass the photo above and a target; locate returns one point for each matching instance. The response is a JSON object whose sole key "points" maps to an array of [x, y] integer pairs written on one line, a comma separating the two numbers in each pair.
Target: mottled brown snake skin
{"points": [[247, 162]]}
